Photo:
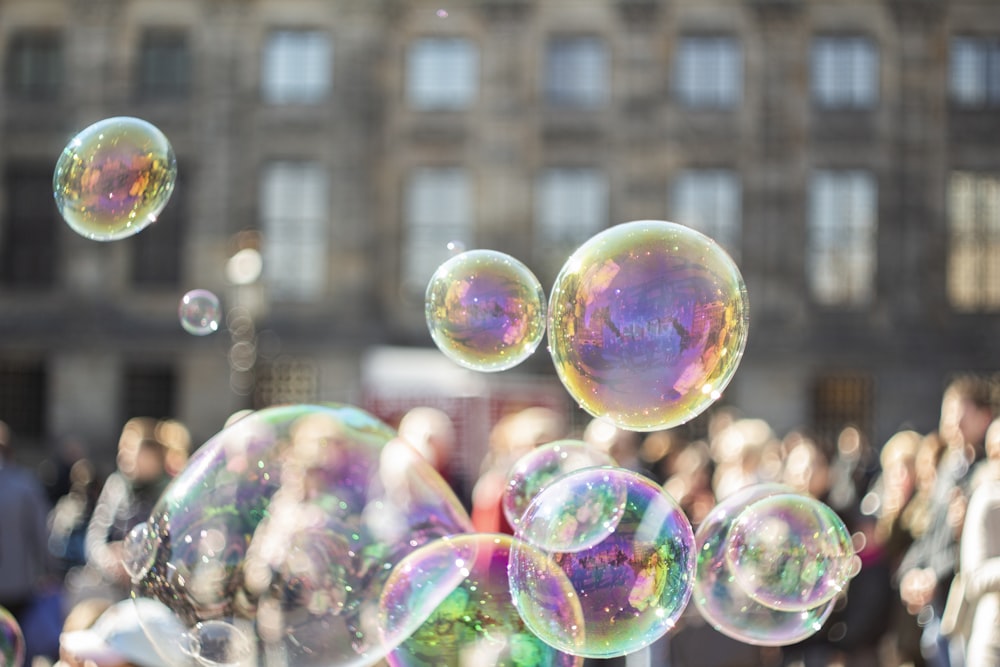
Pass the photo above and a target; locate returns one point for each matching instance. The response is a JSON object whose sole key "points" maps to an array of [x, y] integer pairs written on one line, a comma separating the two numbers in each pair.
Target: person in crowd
{"points": [[69, 518], [432, 433]]}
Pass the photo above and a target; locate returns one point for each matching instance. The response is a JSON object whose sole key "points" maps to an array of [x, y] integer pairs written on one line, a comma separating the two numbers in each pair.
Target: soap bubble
{"points": [[451, 602], [113, 178], [200, 312], [632, 585], [485, 310], [717, 593], [789, 551], [138, 551], [282, 531], [647, 324], [533, 471], [11, 640]]}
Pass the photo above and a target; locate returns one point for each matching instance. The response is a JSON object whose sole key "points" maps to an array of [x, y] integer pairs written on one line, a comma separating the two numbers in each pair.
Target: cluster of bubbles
{"points": [[12, 648]]}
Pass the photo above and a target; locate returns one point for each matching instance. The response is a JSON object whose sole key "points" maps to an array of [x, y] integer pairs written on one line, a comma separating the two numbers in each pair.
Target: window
{"points": [[840, 400], [974, 244], [297, 67], [709, 200], [437, 210], [442, 73], [294, 207], [286, 381], [576, 72], [844, 73], [571, 206], [35, 65], [148, 391], [974, 76], [23, 387], [164, 66], [709, 72], [27, 245], [156, 251], [840, 259]]}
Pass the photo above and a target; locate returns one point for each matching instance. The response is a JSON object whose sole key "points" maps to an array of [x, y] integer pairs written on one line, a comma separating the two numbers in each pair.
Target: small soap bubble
{"points": [[647, 324], [718, 595], [533, 472], [790, 551], [12, 649], [485, 310], [632, 585], [138, 551], [200, 312], [113, 178]]}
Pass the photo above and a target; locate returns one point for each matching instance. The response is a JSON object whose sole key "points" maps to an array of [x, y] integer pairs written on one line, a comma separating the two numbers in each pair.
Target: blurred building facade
{"points": [[846, 153]]}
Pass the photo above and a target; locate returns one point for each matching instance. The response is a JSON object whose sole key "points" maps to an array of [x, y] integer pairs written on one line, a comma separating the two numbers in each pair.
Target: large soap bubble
{"points": [[717, 593], [451, 602], [113, 178], [632, 583], [485, 310], [647, 324], [790, 551], [12, 647], [275, 541]]}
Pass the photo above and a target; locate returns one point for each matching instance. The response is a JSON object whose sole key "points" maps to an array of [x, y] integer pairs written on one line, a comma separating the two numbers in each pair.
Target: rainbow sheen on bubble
{"points": [[533, 471], [200, 312], [632, 585], [790, 551], [647, 324], [12, 649], [279, 535], [113, 178], [718, 596], [451, 602], [485, 310]]}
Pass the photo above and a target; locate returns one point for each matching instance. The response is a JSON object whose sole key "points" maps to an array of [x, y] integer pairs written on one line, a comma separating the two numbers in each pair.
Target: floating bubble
{"points": [[533, 471], [632, 585], [11, 640], [718, 596], [113, 178], [790, 552], [449, 603], [485, 310], [200, 312], [647, 324], [285, 526], [138, 551]]}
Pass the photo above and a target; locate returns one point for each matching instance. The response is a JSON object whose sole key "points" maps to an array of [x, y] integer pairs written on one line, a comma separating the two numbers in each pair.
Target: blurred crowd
{"points": [[923, 509]]}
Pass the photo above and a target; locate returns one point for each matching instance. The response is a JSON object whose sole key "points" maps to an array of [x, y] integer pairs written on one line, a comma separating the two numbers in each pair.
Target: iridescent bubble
{"points": [[533, 471], [632, 585], [718, 596], [790, 551], [138, 551], [11, 640], [449, 603], [113, 178], [200, 312], [485, 310], [283, 529], [647, 324]]}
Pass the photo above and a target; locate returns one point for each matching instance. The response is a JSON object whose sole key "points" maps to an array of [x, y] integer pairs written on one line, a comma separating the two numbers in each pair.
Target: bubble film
{"points": [[632, 585], [113, 178], [200, 312], [451, 602], [790, 551], [275, 542], [485, 310], [647, 324], [533, 471], [718, 596], [11, 640]]}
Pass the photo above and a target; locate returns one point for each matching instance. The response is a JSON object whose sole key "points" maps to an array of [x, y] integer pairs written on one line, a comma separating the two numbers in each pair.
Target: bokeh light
{"points": [[718, 596], [277, 538], [485, 310], [647, 323], [113, 178], [12, 647], [632, 584], [451, 602], [200, 312]]}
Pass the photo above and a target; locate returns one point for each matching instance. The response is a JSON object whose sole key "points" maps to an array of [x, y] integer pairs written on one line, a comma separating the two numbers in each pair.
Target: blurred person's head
{"points": [[966, 411], [929, 455], [898, 459], [621, 445], [806, 466], [432, 433], [177, 439]]}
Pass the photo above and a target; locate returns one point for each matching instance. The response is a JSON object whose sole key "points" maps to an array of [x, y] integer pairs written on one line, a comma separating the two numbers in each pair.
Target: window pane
{"points": [[35, 65], [23, 388], [157, 250], [28, 244], [164, 66], [709, 200], [576, 71], [844, 72], [974, 74], [442, 73], [294, 207], [974, 244], [437, 210], [297, 67], [709, 72], [148, 391]]}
